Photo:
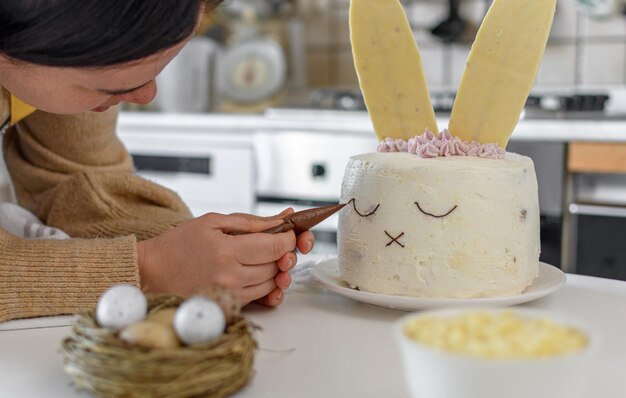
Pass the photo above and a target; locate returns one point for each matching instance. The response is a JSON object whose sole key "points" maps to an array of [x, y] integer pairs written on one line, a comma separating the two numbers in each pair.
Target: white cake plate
{"points": [[550, 279]]}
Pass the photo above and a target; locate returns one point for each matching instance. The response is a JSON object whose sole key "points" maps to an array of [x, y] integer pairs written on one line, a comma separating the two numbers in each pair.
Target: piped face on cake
{"points": [[395, 238], [393, 219], [413, 222]]}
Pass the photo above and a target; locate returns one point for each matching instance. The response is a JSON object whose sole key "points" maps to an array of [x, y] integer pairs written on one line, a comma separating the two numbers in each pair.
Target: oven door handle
{"points": [[597, 210], [172, 164]]}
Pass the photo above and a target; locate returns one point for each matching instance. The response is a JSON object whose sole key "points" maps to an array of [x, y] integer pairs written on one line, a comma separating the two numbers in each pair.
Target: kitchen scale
{"points": [[253, 70]]}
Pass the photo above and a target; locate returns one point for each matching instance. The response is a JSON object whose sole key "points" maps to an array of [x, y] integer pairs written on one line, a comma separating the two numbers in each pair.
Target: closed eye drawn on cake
{"points": [[435, 215], [353, 201]]}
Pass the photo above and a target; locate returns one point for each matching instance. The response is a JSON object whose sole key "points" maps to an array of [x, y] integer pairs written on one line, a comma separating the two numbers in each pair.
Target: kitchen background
{"points": [[262, 111], [279, 51], [584, 50]]}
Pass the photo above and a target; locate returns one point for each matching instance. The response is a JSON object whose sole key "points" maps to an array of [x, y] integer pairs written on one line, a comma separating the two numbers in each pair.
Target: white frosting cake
{"points": [[457, 227]]}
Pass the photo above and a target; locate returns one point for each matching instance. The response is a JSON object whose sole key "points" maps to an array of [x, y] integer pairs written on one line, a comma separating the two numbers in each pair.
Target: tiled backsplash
{"points": [[582, 51]]}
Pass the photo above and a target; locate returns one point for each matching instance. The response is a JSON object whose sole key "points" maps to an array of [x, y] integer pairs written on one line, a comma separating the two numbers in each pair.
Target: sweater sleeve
{"points": [[55, 277], [75, 175]]}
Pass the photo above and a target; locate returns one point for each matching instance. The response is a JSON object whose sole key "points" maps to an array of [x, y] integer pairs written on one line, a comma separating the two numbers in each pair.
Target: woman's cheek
{"points": [[86, 103], [69, 101]]}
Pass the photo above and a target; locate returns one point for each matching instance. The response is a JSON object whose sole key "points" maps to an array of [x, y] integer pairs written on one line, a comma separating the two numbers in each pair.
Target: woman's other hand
{"points": [[202, 251], [304, 243]]}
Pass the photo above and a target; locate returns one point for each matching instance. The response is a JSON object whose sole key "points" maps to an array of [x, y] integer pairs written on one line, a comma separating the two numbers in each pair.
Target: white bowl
{"points": [[433, 373]]}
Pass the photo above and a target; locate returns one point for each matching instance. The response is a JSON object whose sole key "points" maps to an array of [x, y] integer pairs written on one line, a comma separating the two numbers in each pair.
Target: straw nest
{"points": [[106, 366]]}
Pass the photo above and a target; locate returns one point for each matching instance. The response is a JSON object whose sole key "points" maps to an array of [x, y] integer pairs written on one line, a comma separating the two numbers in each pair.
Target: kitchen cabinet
{"points": [[592, 157], [594, 223]]}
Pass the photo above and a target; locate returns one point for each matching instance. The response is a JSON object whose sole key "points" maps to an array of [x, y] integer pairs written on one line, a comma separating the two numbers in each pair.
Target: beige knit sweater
{"points": [[75, 174]]}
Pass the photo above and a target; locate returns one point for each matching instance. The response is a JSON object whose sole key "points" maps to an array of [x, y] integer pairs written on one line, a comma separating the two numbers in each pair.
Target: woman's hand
{"points": [[201, 251]]}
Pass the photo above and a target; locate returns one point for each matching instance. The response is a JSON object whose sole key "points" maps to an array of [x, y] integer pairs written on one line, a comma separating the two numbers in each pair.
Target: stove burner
{"points": [[352, 100], [345, 100]]}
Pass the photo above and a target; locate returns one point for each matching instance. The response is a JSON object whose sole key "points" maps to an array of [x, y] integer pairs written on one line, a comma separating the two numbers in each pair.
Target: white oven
{"points": [[213, 170], [597, 225], [302, 168]]}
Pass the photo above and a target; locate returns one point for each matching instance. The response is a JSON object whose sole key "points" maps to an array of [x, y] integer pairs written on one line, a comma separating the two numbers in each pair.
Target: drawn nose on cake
{"points": [[394, 239]]}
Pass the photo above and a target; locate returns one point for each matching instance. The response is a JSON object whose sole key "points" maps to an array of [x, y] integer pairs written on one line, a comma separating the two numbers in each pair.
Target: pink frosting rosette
{"points": [[429, 145]]}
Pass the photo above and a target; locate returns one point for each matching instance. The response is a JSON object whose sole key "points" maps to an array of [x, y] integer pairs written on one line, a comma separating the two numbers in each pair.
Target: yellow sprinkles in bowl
{"points": [[498, 335]]}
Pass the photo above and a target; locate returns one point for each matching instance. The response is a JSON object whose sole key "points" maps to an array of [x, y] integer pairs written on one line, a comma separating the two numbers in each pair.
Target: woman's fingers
{"points": [[274, 299], [287, 262], [283, 280], [254, 292], [288, 211], [305, 242], [240, 222], [263, 248], [280, 215], [276, 296], [255, 274], [199, 253], [269, 293]]}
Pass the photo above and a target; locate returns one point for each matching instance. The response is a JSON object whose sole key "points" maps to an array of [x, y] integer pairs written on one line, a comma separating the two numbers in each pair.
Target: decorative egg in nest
{"points": [[199, 320], [164, 316], [140, 359], [150, 334], [121, 306], [225, 299]]}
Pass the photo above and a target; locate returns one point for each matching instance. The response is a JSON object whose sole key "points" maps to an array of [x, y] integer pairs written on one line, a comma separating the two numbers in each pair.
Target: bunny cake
{"points": [[445, 214]]}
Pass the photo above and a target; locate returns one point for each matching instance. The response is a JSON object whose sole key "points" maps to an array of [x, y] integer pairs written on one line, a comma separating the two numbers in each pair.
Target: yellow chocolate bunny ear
{"points": [[390, 71], [501, 69]]}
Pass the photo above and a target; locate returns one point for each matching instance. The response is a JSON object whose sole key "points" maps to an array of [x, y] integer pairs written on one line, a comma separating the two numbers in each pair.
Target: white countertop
{"points": [[318, 344], [552, 130]]}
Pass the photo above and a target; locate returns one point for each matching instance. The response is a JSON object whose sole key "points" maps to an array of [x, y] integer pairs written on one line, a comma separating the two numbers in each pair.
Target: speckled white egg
{"points": [[199, 320], [121, 306]]}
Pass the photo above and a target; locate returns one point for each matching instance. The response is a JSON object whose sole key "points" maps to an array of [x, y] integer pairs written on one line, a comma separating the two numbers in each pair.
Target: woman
{"points": [[73, 61]]}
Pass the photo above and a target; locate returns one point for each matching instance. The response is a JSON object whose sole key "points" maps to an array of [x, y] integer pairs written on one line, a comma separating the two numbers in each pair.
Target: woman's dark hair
{"points": [[94, 33]]}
